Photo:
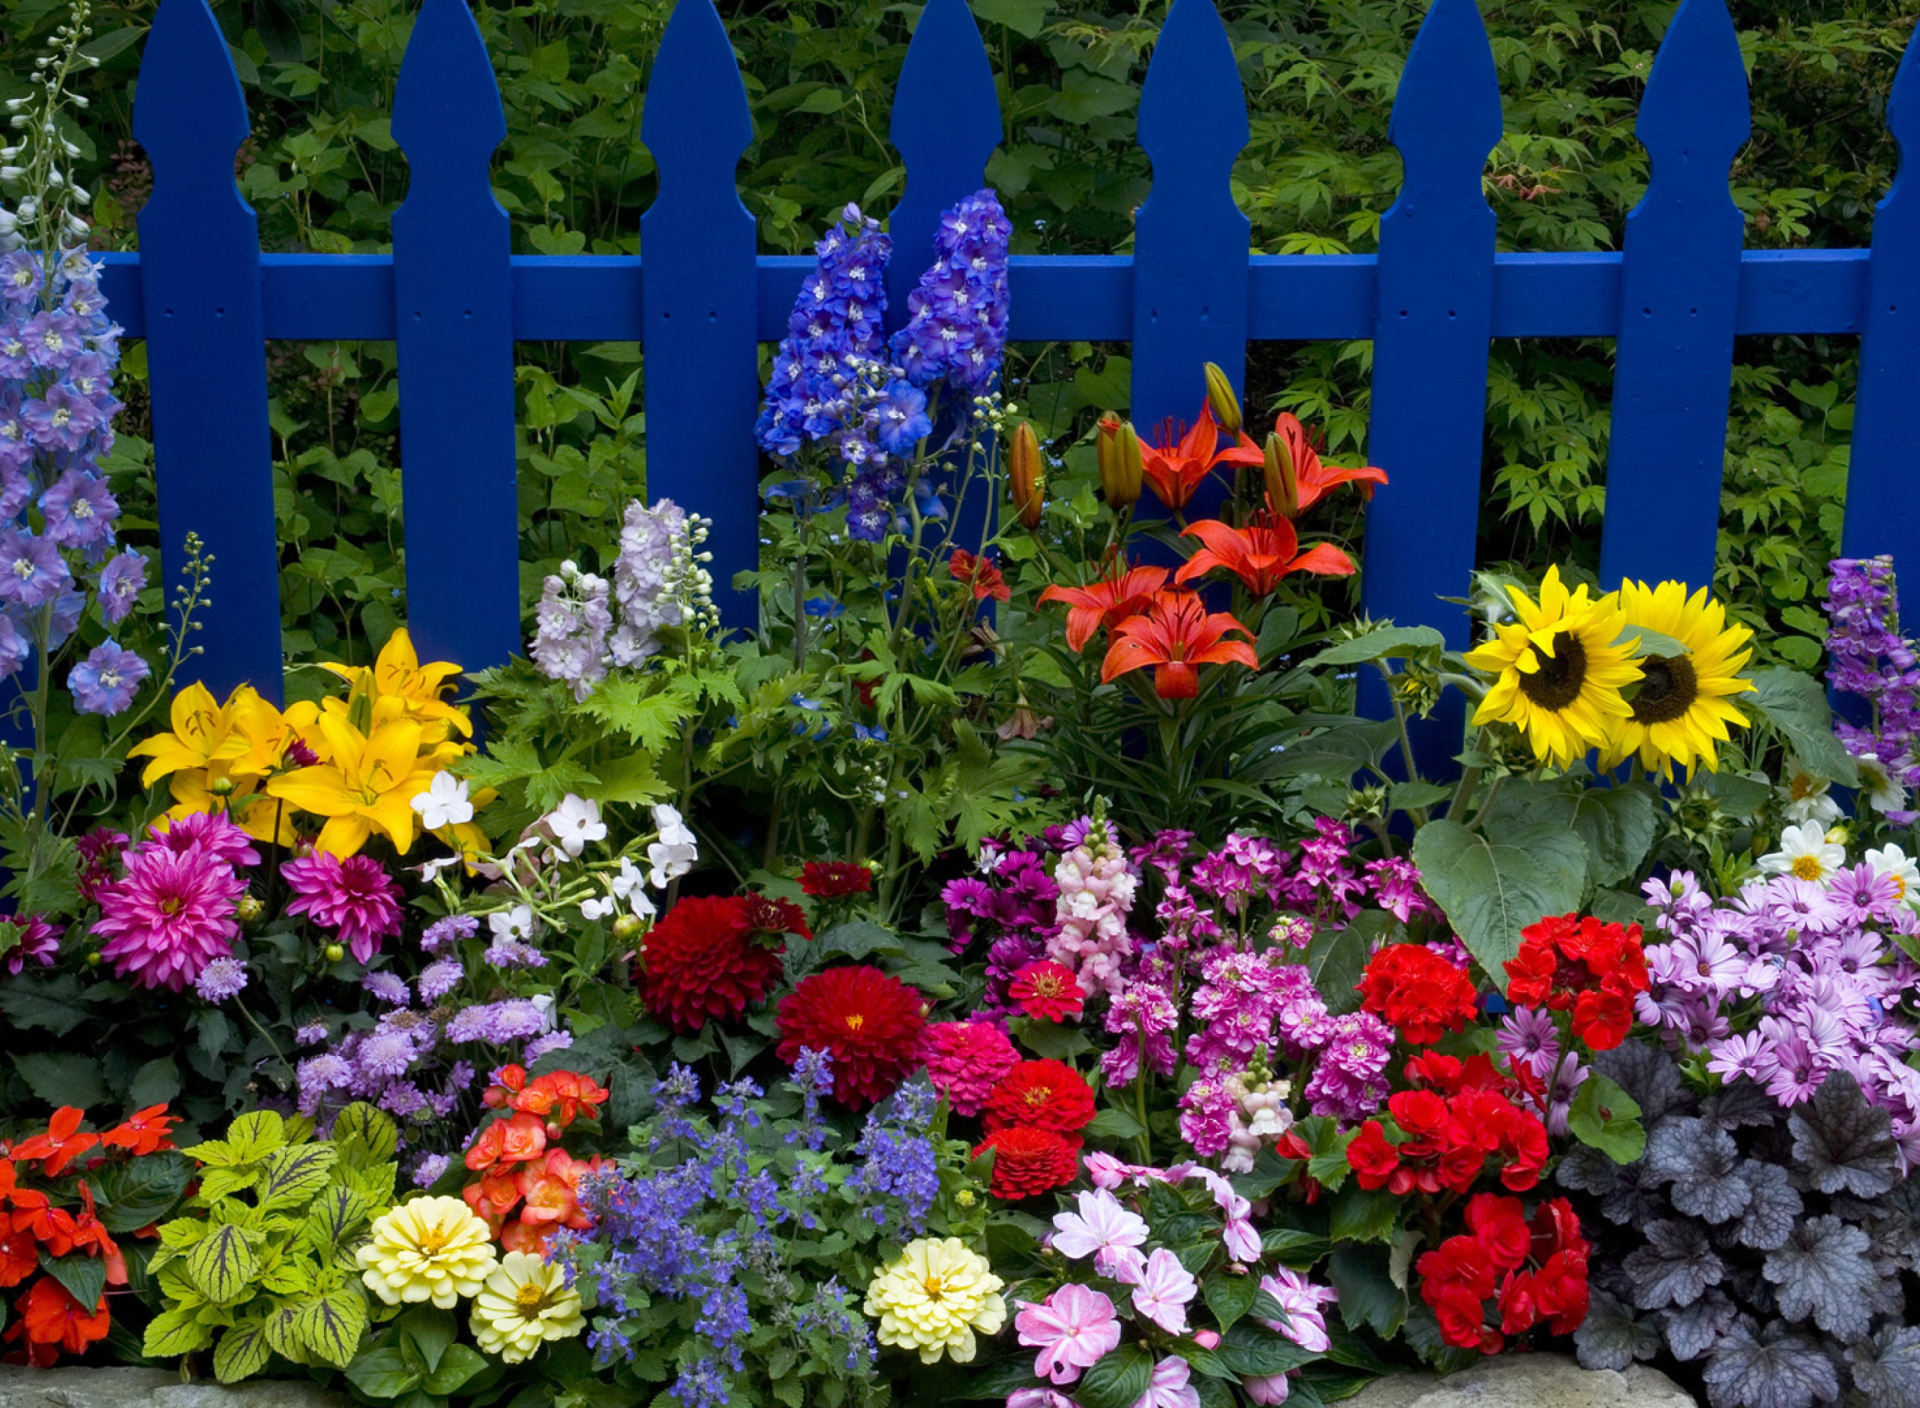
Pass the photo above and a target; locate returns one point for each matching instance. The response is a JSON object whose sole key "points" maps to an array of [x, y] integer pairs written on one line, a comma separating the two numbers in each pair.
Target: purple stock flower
{"points": [[106, 681]]}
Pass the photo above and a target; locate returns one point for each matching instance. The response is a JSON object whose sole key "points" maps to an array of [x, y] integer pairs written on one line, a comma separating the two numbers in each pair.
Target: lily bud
{"points": [[1025, 478], [1121, 470], [1283, 488], [1220, 396]]}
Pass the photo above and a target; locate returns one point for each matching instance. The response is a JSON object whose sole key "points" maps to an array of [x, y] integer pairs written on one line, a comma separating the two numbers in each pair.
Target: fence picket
{"points": [[453, 294], [1679, 294], [698, 294], [1883, 491], [1190, 241], [206, 345], [1433, 326]]}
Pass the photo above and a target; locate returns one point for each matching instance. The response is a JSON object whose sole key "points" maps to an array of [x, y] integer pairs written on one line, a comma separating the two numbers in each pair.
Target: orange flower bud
{"points": [[1121, 469], [1025, 478], [1283, 484]]}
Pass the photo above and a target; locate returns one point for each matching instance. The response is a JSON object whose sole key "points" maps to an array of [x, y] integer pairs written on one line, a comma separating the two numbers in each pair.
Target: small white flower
{"points": [[1805, 794], [433, 867], [669, 862], [626, 880], [673, 829], [1877, 784], [1891, 860], [575, 822], [1805, 853], [543, 1004], [598, 909], [444, 803], [515, 925]]}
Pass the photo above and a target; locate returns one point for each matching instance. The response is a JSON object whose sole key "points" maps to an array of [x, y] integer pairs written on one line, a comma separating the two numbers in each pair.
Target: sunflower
{"points": [[1558, 671], [1681, 711]]}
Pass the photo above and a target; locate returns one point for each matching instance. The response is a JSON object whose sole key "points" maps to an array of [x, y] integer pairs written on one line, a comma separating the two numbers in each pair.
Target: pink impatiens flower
{"points": [[1103, 1230], [354, 897], [1169, 1387], [1072, 1329], [1161, 1289], [1305, 1325]]}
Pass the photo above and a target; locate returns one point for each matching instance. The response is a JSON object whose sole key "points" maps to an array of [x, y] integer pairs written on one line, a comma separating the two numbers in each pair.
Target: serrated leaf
{"points": [[292, 1176], [218, 1183], [1611, 1337], [173, 1333], [1363, 1215], [223, 1265], [1782, 1369], [1796, 705], [1823, 1271], [62, 1078], [337, 1214], [1773, 1207], [1675, 1267], [214, 1153], [243, 1350], [1842, 1143], [1491, 890], [331, 1325], [282, 1332], [1701, 1163], [1887, 1367]]}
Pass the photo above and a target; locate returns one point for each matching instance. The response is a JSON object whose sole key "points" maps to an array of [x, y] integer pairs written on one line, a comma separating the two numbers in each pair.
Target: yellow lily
{"points": [[203, 733], [367, 783], [398, 674], [249, 808]]}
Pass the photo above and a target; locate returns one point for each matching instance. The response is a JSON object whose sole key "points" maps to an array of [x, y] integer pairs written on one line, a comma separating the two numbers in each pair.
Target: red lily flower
{"points": [[1106, 602], [1174, 472], [979, 573], [1259, 554], [1312, 479], [1174, 635]]}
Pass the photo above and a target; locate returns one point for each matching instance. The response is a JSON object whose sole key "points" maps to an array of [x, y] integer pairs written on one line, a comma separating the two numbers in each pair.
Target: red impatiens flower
{"points": [[143, 1131], [1421, 994], [52, 1320], [19, 1253], [1312, 480], [1047, 990], [701, 962], [980, 574], [1128, 591], [866, 1020], [1029, 1161], [1584, 967], [1260, 554], [60, 1145], [1176, 471], [1174, 635], [1041, 1094], [834, 879]]}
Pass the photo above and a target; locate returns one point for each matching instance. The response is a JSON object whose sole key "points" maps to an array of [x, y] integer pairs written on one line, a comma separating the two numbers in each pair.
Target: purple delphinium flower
{"points": [[957, 318], [106, 681], [32, 572], [121, 582], [16, 645], [903, 418], [79, 509], [61, 420]]}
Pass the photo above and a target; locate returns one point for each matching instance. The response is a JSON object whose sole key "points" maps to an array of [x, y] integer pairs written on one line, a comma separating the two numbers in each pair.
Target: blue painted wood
{"points": [[453, 298], [1679, 300], [1883, 492], [700, 298], [206, 345], [1432, 328], [1190, 241]]}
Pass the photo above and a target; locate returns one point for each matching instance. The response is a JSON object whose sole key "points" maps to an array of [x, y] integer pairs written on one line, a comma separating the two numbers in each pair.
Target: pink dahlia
{"points": [[213, 834], [170, 916], [354, 897], [33, 938], [966, 1060]]}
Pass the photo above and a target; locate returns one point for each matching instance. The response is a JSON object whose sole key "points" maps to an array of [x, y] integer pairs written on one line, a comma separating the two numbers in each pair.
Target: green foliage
{"points": [[262, 1258]]}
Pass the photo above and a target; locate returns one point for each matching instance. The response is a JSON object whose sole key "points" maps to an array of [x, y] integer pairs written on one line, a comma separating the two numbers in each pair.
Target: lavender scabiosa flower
{"points": [[389, 988], [497, 1023], [439, 978], [446, 932], [428, 1170], [221, 979]]}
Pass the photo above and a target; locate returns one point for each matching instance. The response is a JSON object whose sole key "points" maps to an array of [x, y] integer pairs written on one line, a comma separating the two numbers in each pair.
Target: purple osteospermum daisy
{"points": [[32, 572], [1737, 1056], [105, 682], [221, 979], [170, 916], [120, 584], [354, 897], [1528, 1037]]}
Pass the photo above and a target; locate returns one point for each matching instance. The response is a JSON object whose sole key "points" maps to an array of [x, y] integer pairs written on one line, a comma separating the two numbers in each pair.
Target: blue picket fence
{"points": [[700, 298]]}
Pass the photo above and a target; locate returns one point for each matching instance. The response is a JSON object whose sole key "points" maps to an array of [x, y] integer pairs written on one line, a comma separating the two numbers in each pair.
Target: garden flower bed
{"points": [[1013, 971]]}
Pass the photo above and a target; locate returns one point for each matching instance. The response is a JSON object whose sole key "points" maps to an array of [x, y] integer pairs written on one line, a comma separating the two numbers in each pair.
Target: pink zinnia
{"points": [[966, 1060], [1072, 1329], [36, 940], [170, 916], [354, 897]]}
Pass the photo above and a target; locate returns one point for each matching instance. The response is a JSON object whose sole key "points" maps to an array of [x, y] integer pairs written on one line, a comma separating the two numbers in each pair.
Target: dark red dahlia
{"points": [[766, 915], [868, 1022], [834, 879], [1041, 1095], [701, 962], [1029, 1161]]}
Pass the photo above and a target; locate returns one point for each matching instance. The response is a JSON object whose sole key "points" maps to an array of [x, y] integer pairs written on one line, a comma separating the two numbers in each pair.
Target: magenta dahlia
{"points": [[355, 897], [169, 916]]}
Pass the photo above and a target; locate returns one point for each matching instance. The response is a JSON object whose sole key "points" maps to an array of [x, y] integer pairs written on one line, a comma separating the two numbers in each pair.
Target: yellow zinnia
{"points": [[1681, 713], [525, 1303], [1558, 671], [427, 1249], [934, 1297], [365, 783]]}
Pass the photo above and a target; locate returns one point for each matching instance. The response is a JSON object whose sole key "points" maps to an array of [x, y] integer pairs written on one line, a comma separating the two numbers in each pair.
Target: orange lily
{"points": [[1174, 635], [1175, 472], [1312, 479], [1259, 554], [1106, 602]]}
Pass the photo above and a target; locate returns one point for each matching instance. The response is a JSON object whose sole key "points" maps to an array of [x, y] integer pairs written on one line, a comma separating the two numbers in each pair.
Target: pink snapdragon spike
{"points": [[1103, 1230], [1073, 1328], [1162, 1291]]}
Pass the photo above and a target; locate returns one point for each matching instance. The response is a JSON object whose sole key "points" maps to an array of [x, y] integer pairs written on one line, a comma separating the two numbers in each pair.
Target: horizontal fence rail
{"points": [[454, 300]]}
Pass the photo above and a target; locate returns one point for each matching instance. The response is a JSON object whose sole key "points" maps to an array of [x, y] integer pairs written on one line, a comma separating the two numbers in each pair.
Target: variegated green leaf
{"points": [[290, 1275], [214, 1153], [218, 1183], [364, 1135], [376, 1182], [173, 1333], [337, 1214], [283, 1333], [224, 1265], [243, 1351], [181, 1233], [174, 1282], [331, 1325], [256, 1134], [292, 1176]]}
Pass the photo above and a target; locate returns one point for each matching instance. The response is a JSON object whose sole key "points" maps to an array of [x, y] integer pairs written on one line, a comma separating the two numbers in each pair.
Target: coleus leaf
{"points": [[1886, 1368], [1611, 1337], [1823, 1271], [1674, 1268], [1842, 1142], [1782, 1369]]}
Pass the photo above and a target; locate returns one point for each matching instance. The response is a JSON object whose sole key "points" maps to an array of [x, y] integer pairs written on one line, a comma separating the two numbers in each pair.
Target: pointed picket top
{"points": [[1446, 113], [188, 111], [1193, 112], [447, 115], [1903, 121], [1695, 114], [946, 123], [697, 124]]}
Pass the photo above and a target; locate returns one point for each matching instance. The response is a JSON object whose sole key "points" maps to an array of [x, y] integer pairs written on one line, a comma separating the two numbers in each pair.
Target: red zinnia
{"points": [[1027, 1161], [1041, 1095], [1420, 993], [1047, 990], [980, 574], [834, 879], [868, 1022], [700, 962]]}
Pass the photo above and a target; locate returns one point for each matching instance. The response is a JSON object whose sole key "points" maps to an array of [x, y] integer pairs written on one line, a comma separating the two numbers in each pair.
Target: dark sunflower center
{"points": [[1557, 682], [1668, 691]]}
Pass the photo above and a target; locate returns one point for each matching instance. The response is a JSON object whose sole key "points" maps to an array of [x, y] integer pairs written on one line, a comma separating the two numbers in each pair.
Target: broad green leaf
{"points": [[1363, 1215], [1492, 891], [292, 1176], [55, 1004], [283, 1333], [1023, 17], [1255, 1351], [1796, 705], [1118, 1380], [155, 1083], [1607, 1118], [173, 1333], [218, 1183], [1338, 957], [1055, 1041], [382, 1372], [1379, 645], [1364, 1278], [85, 1277], [256, 1134], [1230, 1298], [337, 1214], [1617, 824], [1115, 1124], [243, 1350], [224, 1264], [331, 1325], [459, 1365], [429, 1330], [62, 1078], [214, 1153], [139, 1192]]}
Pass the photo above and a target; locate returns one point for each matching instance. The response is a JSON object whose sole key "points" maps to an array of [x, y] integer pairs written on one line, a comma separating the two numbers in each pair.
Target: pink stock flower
{"points": [[354, 897], [1169, 1387], [1072, 1329], [1161, 1289], [170, 916], [1102, 1229], [966, 1060]]}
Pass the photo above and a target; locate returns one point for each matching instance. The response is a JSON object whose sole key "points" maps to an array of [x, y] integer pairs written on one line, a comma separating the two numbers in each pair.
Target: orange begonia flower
{"points": [[1175, 472], [1106, 602], [1259, 554], [1312, 479], [1174, 635]]}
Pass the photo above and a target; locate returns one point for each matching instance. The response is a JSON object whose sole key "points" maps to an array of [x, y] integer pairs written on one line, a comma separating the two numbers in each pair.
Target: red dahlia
{"points": [[834, 879], [700, 962], [1041, 1095], [1047, 990], [1027, 1161], [1420, 993], [766, 915], [868, 1022]]}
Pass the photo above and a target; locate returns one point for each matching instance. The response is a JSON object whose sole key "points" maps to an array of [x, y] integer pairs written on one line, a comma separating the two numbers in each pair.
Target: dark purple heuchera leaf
{"points": [[1771, 1211], [1781, 1369], [1674, 1267], [1701, 1164], [1738, 1106], [1587, 1170], [1842, 1143], [1698, 1328], [1649, 1075], [1823, 1271], [1886, 1368], [1611, 1337]]}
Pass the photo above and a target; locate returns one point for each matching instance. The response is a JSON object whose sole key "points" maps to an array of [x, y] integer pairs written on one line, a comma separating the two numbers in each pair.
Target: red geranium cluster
{"points": [[1459, 1122], [1421, 994], [1539, 1270], [519, 1159], [1583, 967], [834, 879], [1033, 1119], [52, 1216], [711, 956], [867, 1021]]}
